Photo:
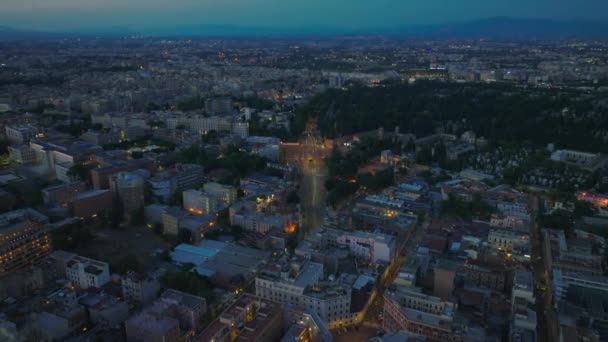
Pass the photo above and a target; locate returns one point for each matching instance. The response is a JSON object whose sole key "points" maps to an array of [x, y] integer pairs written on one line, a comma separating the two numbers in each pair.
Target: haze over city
{"points": [[154, 16]]}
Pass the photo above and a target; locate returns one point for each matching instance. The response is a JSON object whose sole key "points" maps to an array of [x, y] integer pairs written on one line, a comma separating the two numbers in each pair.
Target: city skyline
{"points": [[183, 16]]}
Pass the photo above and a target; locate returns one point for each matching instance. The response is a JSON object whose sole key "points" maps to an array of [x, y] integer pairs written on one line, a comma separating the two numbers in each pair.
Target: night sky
{"points": [[149, 15]]}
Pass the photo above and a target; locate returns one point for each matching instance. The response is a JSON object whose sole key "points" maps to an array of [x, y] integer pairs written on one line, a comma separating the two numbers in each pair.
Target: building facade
{"points": [[24, 240]]}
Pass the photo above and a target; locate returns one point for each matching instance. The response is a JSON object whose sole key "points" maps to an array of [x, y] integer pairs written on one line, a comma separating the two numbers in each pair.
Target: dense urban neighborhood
{"points": [[303, 189]]}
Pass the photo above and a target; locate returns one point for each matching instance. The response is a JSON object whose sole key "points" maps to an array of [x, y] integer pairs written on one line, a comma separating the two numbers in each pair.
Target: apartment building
{"points": [[24, 239]]}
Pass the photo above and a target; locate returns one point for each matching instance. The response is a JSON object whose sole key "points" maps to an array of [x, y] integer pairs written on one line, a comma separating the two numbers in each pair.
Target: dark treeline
{"points": [[499, 112]]}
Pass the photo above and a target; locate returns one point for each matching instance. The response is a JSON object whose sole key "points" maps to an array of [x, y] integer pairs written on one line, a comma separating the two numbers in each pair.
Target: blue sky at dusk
{"points": [[145, 15]]}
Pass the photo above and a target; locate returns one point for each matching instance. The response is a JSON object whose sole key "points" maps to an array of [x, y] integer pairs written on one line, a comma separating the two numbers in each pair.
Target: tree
{"points": [[137, 154], [559, 219], [236, 231], [467, 210], [127, 263], [4, 144], [151, 106], [137, 217], [259, 103], [184, 236], [72, 237], [158, 228], [293, 197], [191, 104], [421, 217], [96, 127], [424, 156], [78, 172], [223, 218], [292, 242], [380, 180], [116, 215], [176, 198], [498, 112], [512, 175], [582, 208], [188, 282], [211, 137], [27, 194]]}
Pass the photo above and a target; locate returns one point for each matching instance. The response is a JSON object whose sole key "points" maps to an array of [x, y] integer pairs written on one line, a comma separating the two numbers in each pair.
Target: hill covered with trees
{"points": [[501, 113]]}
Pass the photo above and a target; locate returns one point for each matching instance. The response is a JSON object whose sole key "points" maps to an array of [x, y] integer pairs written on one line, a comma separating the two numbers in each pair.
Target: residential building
{"points": [[523, 316], [226, 193], [22, 154], [102, 138], [197, 225], [24, 240], [57, 156], [300, 283], [579, 299], [152, 326], [597, 199], [100, 176], [376, 247], [62, 193], [218, 106], [20, 134], [574, 255], [105, 310], [90, 204], [480, 274], [507, 239], [174, 316], [444, 275], [83, 272], [406, 308], [198, 202], [584, 160], [306, 325], [177, 179], [170, 219], [129, 188], [257, 222], [140, 288], [249, 318], [187, 308], [61, 316]]}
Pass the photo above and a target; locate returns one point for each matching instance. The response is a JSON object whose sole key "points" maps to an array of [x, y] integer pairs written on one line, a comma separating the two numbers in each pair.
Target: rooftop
{"points": [[523, 280], [264, 311], [182, 299], [89, 194]]}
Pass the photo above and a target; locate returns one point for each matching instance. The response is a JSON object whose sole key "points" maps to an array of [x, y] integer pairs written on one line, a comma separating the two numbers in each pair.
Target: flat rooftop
{"points": [[182, 298]]}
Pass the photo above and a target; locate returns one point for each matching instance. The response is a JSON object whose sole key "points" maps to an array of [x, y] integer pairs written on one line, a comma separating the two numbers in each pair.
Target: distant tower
{"points": [[312, 145]]}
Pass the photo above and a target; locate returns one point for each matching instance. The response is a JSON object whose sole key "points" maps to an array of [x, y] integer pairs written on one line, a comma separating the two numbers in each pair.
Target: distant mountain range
{"points": [[513, 28], [491, 28]]}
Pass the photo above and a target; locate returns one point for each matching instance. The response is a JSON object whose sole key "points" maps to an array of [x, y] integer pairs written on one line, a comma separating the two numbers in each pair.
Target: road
{"points": [[547, 323], [354, 334], [313, 193], [407, 242], [313, 202]]}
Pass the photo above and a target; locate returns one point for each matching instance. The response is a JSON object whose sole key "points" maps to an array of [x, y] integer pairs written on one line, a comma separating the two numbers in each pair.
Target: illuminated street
{"points": [[312, 189]]}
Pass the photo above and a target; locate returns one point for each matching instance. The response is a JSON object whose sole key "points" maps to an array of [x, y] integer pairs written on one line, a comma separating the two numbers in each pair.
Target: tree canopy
{"points": [[497, 112]]}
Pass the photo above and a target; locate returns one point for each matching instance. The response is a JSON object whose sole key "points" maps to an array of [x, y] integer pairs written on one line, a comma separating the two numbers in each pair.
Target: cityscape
{"points": [[444, 181]]}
